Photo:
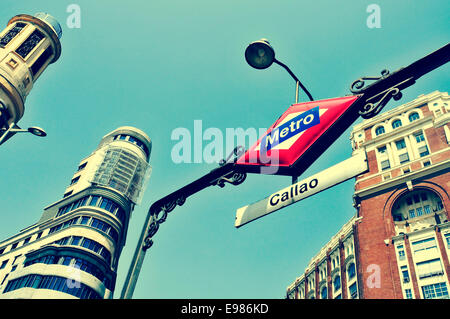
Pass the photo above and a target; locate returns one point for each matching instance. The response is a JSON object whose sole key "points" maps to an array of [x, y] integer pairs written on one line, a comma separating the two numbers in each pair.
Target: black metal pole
{"points": [[295, 78]]}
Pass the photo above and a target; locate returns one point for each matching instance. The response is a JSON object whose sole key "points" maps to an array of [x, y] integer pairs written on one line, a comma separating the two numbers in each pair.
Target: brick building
{"points": [[398, 243]]}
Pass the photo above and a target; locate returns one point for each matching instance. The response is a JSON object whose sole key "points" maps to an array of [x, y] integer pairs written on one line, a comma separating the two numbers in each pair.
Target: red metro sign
{"points": [[300, 136]]}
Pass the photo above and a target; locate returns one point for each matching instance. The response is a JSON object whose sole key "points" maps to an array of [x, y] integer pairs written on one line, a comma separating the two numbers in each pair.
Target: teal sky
{"points": [[159, 65]]}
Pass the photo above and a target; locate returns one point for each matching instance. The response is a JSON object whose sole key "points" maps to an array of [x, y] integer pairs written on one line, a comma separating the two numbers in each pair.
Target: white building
{"points": [[73, 250]]}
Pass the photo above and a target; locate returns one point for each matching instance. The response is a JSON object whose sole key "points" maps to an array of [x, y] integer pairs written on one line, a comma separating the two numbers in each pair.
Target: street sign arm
{"points": [[218, 176], [226, 173]]}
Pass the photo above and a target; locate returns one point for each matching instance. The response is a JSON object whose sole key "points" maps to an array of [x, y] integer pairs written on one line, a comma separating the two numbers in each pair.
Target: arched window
{"points": [[397, 123], [415, 204], [379, 130], [413, 116]]}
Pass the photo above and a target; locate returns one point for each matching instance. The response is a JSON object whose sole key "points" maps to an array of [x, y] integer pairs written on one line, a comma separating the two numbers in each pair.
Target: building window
{"points": [[353, 291], [67, 194], [75, 262], [29, 44], [447, 238], [94, 200], [105, 203], [385, 165], [435, 291], [79, 290], [403, 158], [414, 204], [413, 116], [426, 163], [74, 180], [76, 240], [84, 220], [419, 137], [337, 283], [400, 144], [382, 150], [4, 278], [323, 293], [401, 252], [133, 140], [351, 271], [379, 130], [39, 63], [419, 211], [408, 294], [11, 34], [3, 265], [429, 268], [396, 124], [423, 151], [15, 259], [405, 274], [81, 166], [86, 243], [428, 245]]}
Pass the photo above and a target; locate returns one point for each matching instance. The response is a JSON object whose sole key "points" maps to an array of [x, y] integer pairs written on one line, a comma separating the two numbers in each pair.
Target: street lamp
{"points": [[13, 129], [260, 55]]}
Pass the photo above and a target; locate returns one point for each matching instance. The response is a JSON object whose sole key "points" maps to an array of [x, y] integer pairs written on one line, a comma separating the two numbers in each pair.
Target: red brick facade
{"points": [[380, 272], [376, 228]]}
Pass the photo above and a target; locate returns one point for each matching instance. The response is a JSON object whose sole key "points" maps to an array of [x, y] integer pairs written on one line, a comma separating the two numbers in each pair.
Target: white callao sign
{"points": [[325, 179]]}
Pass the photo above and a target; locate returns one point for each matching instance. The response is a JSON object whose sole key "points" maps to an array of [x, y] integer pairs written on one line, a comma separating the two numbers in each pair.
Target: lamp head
{"points": [[37, 131], [260, 54]]}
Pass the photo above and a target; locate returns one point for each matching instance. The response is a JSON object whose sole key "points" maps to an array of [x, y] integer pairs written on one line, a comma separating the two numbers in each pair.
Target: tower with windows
{"points": [[398, 243], [27, 46], [74, 249]]}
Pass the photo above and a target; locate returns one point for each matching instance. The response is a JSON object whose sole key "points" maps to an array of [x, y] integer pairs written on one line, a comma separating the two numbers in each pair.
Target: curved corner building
{"points": [[27, 46], [73, 250]]}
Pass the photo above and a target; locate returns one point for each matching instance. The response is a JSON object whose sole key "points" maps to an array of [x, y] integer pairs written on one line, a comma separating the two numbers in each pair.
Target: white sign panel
{"points": [[334, 175]]}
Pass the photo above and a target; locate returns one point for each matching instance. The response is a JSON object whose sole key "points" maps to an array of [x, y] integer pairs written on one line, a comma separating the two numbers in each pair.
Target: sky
{"points": [[161, 65]]}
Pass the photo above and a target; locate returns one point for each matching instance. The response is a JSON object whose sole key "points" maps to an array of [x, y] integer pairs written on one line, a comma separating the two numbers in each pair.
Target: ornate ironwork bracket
{"points": [[376, 103], [358, 87], [377, 99]]}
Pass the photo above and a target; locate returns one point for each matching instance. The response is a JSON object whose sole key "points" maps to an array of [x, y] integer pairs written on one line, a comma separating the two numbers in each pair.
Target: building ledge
{"points": [[396, 181]]}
